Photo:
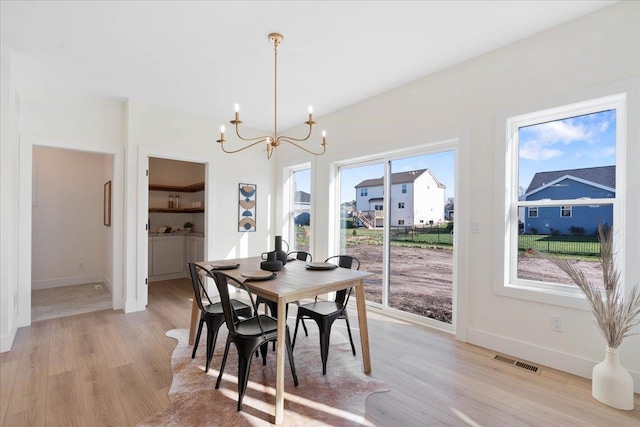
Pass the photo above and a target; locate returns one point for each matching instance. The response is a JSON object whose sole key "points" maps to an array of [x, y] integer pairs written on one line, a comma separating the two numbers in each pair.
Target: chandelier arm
{"points": [[240, 149], [259, 138], [324, 147], [291, 139]]}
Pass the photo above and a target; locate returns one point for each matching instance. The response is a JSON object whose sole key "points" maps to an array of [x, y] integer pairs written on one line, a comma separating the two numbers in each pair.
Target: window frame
{"points": [[400, 205], [289, 232], [531, 210], [564, 208], [403, 188], [507, 126]]}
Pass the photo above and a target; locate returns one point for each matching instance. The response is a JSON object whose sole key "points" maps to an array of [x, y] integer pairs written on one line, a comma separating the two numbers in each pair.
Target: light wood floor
{"points": [[111, 368]]}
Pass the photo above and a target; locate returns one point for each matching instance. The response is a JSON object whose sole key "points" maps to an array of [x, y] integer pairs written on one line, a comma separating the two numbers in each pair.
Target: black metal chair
{"points": [[324, 313], [273, 306], [247, 334], [211, 314]]}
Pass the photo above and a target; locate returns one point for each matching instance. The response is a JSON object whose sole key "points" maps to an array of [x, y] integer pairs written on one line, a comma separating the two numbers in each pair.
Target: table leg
{"points": [[364, 330], [281, 354], [195, 315]]}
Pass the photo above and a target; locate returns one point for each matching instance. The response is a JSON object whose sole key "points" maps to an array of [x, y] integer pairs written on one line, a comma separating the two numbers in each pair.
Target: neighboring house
{"points": [[346, 209], [449, 211], [302, 208], [417, 197], [593, 183]]}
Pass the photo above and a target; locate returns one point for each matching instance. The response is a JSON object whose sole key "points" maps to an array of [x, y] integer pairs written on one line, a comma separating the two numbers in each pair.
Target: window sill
{"points": [[570, 298]]}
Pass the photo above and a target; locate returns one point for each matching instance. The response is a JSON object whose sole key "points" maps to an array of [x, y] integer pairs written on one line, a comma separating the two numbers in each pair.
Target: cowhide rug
{"points": [[335, 399]]}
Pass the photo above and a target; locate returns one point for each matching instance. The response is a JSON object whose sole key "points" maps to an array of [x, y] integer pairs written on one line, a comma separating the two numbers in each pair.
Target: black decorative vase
{"points": [[280, 254]]}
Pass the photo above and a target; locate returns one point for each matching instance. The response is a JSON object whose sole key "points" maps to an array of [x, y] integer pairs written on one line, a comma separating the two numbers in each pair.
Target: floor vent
{"points": [[517, 363]]}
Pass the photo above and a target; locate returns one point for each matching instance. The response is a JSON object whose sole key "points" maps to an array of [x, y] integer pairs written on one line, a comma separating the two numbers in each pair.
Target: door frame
{"points": [[142, 249], [456, 141], [27, 142]]}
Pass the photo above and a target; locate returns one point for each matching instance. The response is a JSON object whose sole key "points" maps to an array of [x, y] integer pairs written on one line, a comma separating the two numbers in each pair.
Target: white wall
{"points": [[68, 239], [8, 201], [585, 57]]}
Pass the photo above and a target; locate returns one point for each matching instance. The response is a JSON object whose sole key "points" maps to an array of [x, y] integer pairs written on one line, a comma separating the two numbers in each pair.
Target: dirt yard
{"points": [[421, 278]]}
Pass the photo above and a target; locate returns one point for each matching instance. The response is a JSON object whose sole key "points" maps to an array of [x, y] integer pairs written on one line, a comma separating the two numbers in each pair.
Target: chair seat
{"points": [[323, 308], [216, 308], [250, 327]]}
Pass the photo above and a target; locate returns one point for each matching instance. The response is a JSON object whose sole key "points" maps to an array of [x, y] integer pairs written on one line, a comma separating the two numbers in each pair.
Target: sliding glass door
{"points": [[397, 217]]}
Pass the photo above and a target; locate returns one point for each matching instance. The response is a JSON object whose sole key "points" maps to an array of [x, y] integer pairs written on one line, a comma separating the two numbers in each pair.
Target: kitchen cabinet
{"points": [[167, 255], [194, 249]]}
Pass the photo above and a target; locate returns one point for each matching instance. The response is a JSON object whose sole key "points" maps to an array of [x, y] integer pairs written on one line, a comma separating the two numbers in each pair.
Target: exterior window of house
{"points": [[299, 207], [564, 159], [401, 222], [363, 192], [401, 205], [404, 188], [378, 207]]}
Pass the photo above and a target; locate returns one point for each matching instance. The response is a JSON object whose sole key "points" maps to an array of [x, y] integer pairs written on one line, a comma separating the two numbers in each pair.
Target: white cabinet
{"points": [[167, 255], [194, 249]]}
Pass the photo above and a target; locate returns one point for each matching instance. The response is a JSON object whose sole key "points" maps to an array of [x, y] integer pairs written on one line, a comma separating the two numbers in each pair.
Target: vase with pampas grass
{"points": [[615, 317]]}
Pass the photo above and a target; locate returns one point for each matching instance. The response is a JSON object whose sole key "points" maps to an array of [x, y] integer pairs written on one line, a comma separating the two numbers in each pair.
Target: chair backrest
{"points": [[302, 255], [230, 317], [344, 261], [198, 286]]}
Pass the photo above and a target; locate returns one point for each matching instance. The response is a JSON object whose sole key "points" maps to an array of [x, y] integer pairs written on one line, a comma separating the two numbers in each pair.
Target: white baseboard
{"points": [[65, 281], [569, 363]]}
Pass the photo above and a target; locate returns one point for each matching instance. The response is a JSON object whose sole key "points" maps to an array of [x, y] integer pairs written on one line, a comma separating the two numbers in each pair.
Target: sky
{"points": [[441, 165], [573, 143]]}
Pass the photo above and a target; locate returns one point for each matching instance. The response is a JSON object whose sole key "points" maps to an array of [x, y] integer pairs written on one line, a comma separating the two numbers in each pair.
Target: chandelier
{"points": [[273, 141]]}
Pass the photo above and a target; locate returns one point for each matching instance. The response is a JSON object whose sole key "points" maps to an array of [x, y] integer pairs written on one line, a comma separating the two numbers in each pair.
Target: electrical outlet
{"points": [[557, 324]]}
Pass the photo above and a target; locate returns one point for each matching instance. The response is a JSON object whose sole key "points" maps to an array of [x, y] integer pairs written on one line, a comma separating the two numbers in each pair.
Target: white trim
{"points": [[288, 202], [545, 356], [573, 178], [507, 123], [458, 143], [66, 281], [27, 142], [142, 185]]}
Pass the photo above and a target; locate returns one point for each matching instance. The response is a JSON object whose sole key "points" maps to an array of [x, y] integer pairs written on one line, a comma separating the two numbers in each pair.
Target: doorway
{"points": [[71, 250]]}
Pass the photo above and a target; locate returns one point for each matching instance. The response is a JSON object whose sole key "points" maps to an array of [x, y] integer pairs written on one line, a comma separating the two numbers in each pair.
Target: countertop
{"points": [[177, 233]]}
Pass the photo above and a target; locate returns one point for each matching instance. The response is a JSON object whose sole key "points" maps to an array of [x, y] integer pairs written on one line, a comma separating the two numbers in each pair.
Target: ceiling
{"points": [[202, 57]]}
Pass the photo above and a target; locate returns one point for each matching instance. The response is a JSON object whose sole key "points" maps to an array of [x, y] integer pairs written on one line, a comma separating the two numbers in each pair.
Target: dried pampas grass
{"points": [[615, 315]]}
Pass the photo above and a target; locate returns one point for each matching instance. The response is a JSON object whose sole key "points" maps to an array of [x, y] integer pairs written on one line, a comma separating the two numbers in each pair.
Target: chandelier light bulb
{"points": [[310, 109], [222, 128], [237, 108]]}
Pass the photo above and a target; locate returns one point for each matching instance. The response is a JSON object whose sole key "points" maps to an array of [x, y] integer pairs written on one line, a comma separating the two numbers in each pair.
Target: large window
{"points": [[561, 184]]}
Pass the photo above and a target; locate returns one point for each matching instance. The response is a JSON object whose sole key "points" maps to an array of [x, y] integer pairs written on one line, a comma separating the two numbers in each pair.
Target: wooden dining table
{"points": [[295, 282]]}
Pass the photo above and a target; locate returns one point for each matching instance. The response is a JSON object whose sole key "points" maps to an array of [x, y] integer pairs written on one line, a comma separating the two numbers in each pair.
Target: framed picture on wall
{"points": [[107, 204], [247, 207]]}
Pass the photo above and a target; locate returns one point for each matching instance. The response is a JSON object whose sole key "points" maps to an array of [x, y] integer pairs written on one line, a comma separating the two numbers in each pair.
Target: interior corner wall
{"points": [[587, 57], [68, 239]]}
